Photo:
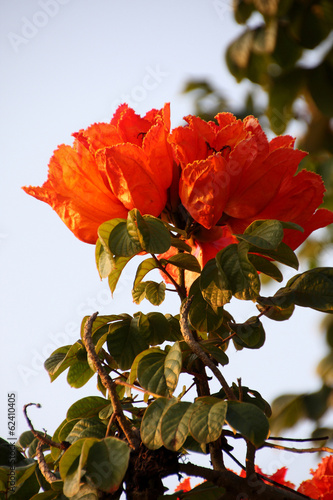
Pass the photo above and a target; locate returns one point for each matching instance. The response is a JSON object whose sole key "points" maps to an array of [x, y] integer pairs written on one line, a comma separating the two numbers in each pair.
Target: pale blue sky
{"points": [[67, 64]]}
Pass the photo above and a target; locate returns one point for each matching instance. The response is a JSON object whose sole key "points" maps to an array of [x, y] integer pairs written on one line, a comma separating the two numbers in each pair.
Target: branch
{"points": [[195, 347], [43, 467], [298, 450], [238, 487], [108, 384], [42, 439]]}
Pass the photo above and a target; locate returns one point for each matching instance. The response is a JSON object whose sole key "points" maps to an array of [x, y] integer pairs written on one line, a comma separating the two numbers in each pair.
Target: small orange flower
{"points": [[110, 169], [184, 485], [231, 176], [278, 476], [320, 487]]}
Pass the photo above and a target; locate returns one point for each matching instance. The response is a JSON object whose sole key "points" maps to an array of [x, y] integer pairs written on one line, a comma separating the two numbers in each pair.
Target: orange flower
{"points": [[278, 476], [110, 169], [321, 485], [184, 485], [231, 176]]}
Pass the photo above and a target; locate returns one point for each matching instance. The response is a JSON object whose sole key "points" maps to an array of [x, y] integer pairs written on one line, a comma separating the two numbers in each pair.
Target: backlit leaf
{"points": [[207, 418], [249, 421]]}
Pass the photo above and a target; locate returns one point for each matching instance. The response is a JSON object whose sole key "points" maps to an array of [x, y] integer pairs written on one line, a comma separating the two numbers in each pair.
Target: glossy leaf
{"points": [[265, 266], [266, 234], [273, 311], [283, 254], [250, 334], [249, 421], [175, 425], [207, 418]]}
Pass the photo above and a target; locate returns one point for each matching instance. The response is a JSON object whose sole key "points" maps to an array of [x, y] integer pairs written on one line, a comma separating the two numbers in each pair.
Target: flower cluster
{"points": [[213, 178]]}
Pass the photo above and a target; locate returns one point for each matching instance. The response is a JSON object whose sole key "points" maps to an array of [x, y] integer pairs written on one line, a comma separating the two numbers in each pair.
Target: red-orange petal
{"points": [[260, 182], [76, 191], [204, 189], [127, 168]]}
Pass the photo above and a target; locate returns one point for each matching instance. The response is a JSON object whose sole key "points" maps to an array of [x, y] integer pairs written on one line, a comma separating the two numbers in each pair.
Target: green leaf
{"points": [[118, 264], [312, 288], [144, 268], [86, 492], [214, 285], [86, 428], [70, 467], [86, 407], [263, 234], [241, 274], [264, 266], [201, 314], [184, 261], [250, 334], [127, 338], [274, 312], [105, 230], [283, 254], [159, 328], [207, 418], [172, 367], [103, 260], [249, 421], [79, 373], [123, 240], [60, 359], [154, 292], [180, 244], [150, 371], [175, 425], [216, 352], [150, 429], [107, 463], [149, 231]]}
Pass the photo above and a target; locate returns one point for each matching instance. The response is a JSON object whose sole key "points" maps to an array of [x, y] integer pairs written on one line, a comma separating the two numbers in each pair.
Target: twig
{"points": [[298, 450], [42, 439], [136, 388], [180, 290], [108, 384], [43, 467], [195, 347], [250, 458]]}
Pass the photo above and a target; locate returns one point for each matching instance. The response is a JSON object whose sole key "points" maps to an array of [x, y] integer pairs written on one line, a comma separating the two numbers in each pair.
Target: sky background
{"points": [[65, 65]]}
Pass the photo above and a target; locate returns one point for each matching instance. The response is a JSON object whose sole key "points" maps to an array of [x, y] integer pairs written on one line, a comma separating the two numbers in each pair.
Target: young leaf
{"points": [[118, 264], [144, 268]]}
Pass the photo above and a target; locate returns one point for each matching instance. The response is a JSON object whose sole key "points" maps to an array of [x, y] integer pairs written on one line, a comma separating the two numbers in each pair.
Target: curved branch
{"points": [[108, 383], [195, 347]]}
